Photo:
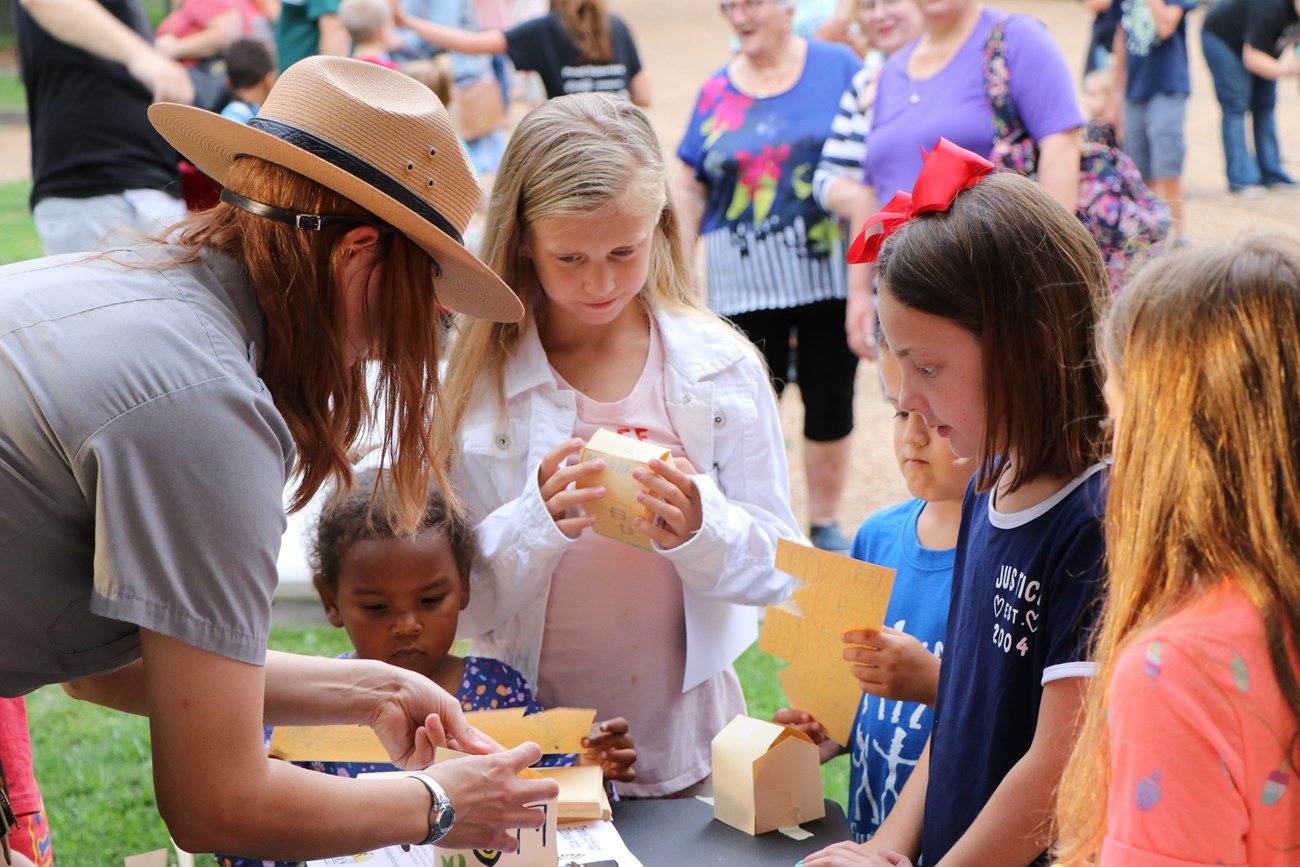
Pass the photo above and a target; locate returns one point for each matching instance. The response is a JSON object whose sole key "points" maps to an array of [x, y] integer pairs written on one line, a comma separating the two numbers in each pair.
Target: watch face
{"points": [[445, 819]]}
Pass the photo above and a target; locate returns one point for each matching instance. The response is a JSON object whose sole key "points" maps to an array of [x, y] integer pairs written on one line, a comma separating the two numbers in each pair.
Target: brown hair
{"points": [[575, 154], [587, 24], [1017, 270], [1204, 348], [308, 369], [363, 515]]}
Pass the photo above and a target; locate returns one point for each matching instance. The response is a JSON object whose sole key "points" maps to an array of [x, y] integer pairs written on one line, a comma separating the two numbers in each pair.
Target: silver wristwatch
{"points": [[441, 814]]}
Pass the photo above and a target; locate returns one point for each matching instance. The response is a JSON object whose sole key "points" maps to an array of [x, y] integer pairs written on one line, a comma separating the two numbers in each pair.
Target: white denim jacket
{"points": [[722, 406]]}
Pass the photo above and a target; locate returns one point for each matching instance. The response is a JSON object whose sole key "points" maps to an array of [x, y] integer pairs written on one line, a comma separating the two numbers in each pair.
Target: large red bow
{"points": [[947, 170]]}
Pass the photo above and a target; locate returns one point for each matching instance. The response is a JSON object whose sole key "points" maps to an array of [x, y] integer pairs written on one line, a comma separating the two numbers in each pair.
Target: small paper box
{"points": [[534, 847], [765, 776], [617, 511]]}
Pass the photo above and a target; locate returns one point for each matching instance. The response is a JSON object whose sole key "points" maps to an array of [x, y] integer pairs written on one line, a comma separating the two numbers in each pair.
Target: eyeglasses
{"points": [[749, 7]]}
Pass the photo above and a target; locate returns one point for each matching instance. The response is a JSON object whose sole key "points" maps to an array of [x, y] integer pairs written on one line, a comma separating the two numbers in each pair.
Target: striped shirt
{"points": [[846, 147]]}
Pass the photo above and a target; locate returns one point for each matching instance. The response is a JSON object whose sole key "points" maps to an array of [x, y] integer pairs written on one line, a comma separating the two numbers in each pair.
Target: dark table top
{"points": [[673, 833]]}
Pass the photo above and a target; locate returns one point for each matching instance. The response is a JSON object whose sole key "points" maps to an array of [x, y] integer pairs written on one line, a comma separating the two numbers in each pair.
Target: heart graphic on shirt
{"points": [[998, 604], [1031, 620]]}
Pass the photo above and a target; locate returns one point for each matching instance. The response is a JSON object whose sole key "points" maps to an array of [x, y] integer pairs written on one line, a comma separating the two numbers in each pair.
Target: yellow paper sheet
{"points": [[558, 730], [582, 793], [617, 511], [840, 594]]}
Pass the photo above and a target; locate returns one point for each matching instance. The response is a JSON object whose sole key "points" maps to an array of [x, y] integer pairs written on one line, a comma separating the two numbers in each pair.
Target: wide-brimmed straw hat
{"points": [[375, 136]]}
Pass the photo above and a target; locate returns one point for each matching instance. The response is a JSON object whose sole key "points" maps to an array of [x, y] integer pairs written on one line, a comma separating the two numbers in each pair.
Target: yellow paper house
{"points": [[765, 776], [617, 511]]}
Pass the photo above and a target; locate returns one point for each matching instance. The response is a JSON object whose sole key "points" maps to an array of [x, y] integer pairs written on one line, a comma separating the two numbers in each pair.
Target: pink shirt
{"points": [[1199, 734], [16, 756], [194, 15], [615, 633]]}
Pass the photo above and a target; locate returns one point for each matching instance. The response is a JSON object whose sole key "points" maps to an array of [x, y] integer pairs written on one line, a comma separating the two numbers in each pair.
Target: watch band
{"points": [[441, 813]]}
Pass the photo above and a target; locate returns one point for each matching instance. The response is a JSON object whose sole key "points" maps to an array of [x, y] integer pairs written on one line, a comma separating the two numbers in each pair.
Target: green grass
{"points": [[94, 770], [12, 95], [18, 239]]}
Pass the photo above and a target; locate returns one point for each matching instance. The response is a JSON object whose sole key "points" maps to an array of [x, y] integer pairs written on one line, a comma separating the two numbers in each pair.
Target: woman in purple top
{"points": [[935, 88]]}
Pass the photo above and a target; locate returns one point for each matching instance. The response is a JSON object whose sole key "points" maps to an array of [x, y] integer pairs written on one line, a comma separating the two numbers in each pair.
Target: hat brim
{"points": [[212, 143]]}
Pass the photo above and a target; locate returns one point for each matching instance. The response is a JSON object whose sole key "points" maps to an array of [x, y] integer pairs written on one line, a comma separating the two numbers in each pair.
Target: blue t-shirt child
{"points": [[889, 736], [1155, 66], [488, 684], [1024, 593]]}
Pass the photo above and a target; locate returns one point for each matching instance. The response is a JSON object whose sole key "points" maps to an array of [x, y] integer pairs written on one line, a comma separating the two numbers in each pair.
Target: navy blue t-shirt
{"points": [[1023, 600], [1155, 65]]}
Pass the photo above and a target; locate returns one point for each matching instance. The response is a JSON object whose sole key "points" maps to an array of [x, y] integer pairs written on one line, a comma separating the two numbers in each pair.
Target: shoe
{"points": [[829, 538], [1283, 186], [1254, 191]]}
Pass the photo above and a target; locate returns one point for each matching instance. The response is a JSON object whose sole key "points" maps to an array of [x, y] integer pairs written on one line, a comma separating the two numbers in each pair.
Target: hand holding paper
{"points": [[562, 489], [893, 665], [619, 512], [671, 497], [610, 746]]}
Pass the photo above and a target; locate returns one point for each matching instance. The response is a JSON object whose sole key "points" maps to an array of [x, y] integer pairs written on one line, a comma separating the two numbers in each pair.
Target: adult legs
{"points": [[78, 225], [1232, 87], [1268, 154]]}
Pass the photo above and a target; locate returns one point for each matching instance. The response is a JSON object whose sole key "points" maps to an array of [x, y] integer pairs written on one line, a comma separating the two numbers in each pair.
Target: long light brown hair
{"points": [[308, 368], [1204, 348], [571, 156], [1017, 270], [587, 24]]}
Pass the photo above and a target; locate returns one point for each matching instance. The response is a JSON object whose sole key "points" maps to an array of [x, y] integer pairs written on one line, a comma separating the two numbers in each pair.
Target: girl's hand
{"points": [[893, 665], [848, 854], [610, 746], [672, 499], [827, 749], [555, 480]]}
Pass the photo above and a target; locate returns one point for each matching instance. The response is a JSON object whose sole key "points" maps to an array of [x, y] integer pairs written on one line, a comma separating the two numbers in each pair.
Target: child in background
{"points": [[250, 74], [30, 836], [399, 600], [898, 667], [1151, 60], [370, 25], [989, 293], [614, 336], [1189, 752]]}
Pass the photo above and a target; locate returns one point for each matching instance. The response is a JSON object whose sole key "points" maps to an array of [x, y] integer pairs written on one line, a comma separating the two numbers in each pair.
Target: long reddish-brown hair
{"points": [[1203, 349], [308, 368], [587, 24]]}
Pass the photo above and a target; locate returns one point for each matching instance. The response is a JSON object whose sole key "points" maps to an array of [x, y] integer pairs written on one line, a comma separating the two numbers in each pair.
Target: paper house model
{"points": [[534, 847], [617, 511], [765, 776]]}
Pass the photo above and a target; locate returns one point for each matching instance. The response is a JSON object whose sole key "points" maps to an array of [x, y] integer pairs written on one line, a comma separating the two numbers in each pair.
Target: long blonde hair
{"points": [[318, 389], [572, 155], [587, 24], [1204, 348]]}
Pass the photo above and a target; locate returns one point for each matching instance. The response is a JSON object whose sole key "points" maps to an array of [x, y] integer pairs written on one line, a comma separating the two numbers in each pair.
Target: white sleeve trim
{"points": [[1069, 669]]}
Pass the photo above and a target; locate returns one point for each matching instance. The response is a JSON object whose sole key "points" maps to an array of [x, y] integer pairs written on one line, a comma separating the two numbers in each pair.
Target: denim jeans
{"points": [[1239, 91]]}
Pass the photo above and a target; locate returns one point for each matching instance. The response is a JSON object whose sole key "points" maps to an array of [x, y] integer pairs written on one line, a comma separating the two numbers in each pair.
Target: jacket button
{"points": [[502, 441], [717, 419], [686, 399]]}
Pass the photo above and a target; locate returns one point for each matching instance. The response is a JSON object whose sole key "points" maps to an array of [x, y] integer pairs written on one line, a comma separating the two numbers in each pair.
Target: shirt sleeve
{"points": [[1265, 22], [625, 46], [691, 148], [1072, 608], [525, 42], [1174, 745], [187, 492], [317, 9], [1042, 85]]}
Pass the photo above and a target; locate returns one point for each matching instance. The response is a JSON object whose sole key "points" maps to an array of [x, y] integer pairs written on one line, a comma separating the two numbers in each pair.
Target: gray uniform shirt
{"points": [[142, 464]]}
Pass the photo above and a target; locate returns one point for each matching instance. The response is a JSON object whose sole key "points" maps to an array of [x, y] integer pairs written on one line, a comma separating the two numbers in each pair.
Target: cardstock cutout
{"points": [[582, 793], [765, 776], [534, 847], [839, 594], [558, 730], [617, 511]]}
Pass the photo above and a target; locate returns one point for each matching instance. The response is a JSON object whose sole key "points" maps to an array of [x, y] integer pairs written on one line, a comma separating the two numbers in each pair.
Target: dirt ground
{"points": [[683, 41]]}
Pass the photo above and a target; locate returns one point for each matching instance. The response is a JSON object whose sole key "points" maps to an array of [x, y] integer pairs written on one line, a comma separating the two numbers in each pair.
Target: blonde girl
{"points": [[988, 298], [582, 226], [1189, 751]]}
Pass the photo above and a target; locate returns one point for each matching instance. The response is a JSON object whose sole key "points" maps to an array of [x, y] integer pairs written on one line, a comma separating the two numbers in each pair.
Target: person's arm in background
{"points": [[1119, 55], [215, 37], [691, 196], [1058, 165], [1265, 65], [1265, 24], [837, 178], [334, 39], [860, 308], [1167, 17], [89, 26], [639, 89], [1097, 6], [453, 38]]}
